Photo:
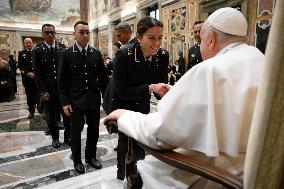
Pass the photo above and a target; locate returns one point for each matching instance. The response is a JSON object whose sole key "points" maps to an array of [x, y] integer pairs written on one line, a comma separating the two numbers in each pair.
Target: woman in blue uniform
{"points": [[139, 70]]}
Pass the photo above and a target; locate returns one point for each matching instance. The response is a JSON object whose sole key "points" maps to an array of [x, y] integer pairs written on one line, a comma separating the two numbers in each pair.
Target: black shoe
{"points": [[79, 168], [94, 163], [56, 143], [119, 176], [47, 132], [31, 115], [115, 148]]}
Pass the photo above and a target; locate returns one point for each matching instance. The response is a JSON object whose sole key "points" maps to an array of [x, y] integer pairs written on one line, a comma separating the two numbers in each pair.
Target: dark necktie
{"points": [[51, 50], [84, 54], [148, 62]]}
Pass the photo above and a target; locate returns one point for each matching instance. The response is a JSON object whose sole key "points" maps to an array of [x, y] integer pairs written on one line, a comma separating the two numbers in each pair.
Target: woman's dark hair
{"points": [[148, 22]]}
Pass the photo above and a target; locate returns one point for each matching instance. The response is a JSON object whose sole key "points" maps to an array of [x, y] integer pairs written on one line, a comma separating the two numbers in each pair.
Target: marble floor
{"points": [[27, 159]]}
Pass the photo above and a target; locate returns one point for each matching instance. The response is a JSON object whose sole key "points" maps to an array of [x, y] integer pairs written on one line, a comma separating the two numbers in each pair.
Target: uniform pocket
{"points": [[76, 70]]}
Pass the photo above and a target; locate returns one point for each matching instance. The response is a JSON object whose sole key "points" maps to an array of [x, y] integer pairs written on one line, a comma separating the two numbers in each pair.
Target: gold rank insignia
{"points": [[129, 52]]}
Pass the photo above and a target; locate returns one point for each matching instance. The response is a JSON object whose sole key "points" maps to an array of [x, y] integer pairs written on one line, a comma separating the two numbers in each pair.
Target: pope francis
{"points": [[208, 112]]}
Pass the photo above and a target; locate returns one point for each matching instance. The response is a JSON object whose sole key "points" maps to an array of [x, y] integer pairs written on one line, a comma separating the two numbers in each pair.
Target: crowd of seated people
{"points": [[8, 87]]}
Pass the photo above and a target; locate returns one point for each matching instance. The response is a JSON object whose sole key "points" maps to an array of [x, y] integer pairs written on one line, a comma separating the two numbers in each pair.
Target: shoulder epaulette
{"points": [[40, 46], [92, 49]]}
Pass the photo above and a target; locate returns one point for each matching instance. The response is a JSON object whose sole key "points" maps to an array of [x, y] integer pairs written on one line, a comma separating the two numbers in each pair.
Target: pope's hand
{"points": [[114, 115]]}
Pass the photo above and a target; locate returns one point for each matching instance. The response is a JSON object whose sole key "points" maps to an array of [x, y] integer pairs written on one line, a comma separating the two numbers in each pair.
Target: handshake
{"points": [[159, 88]]}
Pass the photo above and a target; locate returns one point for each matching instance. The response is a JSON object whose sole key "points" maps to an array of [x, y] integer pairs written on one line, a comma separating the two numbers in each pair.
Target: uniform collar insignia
{"points": [[74, 50], [136, 60]]}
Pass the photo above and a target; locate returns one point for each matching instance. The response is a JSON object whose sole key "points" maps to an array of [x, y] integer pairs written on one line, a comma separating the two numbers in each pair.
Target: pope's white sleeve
{"points": [[142, 128]]}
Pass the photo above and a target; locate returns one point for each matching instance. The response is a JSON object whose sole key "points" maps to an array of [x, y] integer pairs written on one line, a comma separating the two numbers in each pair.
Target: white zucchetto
{"points": [[229, 20]]}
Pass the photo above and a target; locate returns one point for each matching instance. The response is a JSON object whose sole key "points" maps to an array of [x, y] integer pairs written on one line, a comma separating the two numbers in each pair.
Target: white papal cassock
{"points": [[208, 112]]}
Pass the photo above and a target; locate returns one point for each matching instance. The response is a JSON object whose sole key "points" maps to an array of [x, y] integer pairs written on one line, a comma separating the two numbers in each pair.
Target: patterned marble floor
{"points": [[27, 159]]}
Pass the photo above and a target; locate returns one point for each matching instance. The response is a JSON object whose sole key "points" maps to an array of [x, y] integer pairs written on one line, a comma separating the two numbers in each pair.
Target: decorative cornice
{"points": [[146, 3], [103, 28], [210, 5], [115, 14], [129, 17], [31, 27], [168, 2]]}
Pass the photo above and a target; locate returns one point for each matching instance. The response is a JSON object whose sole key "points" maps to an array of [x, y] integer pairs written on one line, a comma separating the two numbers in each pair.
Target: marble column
{"points": [[110, 29]]}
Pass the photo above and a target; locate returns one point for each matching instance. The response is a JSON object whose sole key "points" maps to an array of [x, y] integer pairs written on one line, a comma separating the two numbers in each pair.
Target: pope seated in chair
{"points": [[208, 112]]}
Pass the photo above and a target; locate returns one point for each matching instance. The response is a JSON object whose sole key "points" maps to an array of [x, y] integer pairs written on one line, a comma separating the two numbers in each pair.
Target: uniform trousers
{"points": [[31, 92], [52, 110], [78, 119]]}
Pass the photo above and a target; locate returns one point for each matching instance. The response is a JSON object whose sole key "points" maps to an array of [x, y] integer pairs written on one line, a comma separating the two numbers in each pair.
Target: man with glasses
{"points": [[45, 65], [82, 77], [194, 55]]}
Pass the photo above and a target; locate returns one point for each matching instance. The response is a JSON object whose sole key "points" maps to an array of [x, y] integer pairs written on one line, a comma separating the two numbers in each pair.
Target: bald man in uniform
{"points": [[28, 78]]}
